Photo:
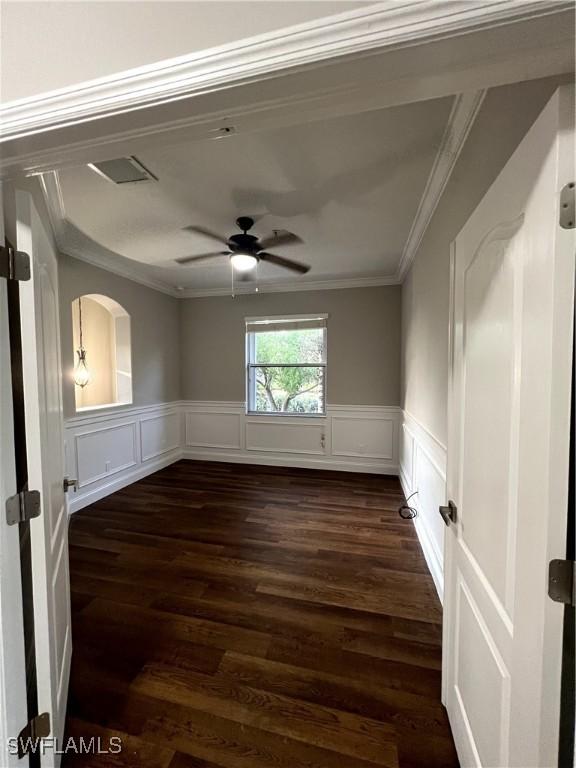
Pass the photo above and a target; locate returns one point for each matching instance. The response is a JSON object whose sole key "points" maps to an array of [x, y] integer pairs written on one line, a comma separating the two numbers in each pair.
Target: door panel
{"points": [[45, 448], [509, 401]]}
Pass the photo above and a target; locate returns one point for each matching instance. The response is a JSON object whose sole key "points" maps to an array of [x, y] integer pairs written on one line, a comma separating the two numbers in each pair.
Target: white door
{"points": [[45, 452], [508, 454], [13, 707]]}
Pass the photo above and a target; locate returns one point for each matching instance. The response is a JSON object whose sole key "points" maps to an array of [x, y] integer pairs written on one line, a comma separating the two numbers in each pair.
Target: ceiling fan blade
{"points": [[295, 266], [206, 232], [201, 257], [280, 238]]}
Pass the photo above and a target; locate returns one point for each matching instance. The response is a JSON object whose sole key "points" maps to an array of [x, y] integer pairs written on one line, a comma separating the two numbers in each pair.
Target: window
{"points": [[102, 352], [286, 365]]}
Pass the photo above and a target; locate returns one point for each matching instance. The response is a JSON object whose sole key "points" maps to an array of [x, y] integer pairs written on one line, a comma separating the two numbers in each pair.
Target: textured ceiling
{"points": [[349, 187]]}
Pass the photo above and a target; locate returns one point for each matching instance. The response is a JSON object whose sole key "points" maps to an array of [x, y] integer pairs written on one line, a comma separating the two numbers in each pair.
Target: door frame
{"points": [[330, 67], [14, 706]]}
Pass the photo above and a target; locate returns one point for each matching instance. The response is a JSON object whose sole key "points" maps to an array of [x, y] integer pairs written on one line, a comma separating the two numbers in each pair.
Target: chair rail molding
{"points": [[381, 27], [109, 449], [423, 472]]}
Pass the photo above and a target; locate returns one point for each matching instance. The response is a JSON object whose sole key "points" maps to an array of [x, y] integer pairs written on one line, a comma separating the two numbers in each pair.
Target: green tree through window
{"points": [[287, 369]]}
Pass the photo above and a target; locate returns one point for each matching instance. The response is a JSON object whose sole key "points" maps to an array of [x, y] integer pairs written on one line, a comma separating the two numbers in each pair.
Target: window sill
{"points": [[87, 408], [287, 415]]}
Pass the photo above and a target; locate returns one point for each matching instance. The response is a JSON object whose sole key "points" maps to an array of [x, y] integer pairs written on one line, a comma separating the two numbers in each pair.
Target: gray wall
{"points": [[155, 324], [505, 116], [363, 342]]}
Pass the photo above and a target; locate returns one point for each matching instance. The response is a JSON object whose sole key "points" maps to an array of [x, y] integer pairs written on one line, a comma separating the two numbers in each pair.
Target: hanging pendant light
{"points": [[81, 372]]}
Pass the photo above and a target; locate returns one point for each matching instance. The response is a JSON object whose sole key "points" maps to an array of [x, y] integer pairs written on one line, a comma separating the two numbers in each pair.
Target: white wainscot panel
{"points": [[279, 435], [159, 435], [407, 457], [363, 436], [430, 482], [105, 451], [213, 430], [423, 471]]}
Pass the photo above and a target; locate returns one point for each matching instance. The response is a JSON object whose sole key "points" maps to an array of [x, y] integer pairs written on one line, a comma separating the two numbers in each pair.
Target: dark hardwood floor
{"points": [[255, 617]]}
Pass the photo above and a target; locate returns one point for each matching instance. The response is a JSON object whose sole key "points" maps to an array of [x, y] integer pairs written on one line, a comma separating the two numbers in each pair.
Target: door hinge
{"points": [[22, 506], [14, 265], [562, 581], [37, 728], [568, 206]]}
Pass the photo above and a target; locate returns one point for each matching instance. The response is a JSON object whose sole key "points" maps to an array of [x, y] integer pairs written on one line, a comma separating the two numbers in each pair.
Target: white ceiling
{"points": [[103, 38], [349, 187]]}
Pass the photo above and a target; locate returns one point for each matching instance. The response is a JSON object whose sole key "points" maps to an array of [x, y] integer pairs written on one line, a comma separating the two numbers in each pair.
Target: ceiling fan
{"points": [[245, 251]]}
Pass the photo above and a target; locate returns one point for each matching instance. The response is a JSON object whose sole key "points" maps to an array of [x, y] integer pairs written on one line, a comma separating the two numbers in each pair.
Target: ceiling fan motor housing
{"points": [[243, 242]]}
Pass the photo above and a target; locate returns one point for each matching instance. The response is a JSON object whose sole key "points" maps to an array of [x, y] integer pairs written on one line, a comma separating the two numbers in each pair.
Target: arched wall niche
{"points": [[106, 341]]}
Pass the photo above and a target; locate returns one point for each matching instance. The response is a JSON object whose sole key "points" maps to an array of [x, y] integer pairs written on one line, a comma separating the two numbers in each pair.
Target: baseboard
{"points": [[84, 499], [285, 460]]}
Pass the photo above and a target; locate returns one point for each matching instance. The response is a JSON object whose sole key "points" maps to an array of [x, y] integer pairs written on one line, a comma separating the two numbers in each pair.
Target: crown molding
{"points": [[385, 25], [462, 116], [309, 285], [111, 264], [73, 242]]}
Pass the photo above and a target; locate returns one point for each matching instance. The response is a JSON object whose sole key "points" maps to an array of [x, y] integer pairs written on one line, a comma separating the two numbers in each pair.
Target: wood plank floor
{"points": [[254, 617]]}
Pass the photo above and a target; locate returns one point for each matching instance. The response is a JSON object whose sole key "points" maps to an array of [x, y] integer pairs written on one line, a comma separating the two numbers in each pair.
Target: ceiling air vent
{"points": [[123, 170]]}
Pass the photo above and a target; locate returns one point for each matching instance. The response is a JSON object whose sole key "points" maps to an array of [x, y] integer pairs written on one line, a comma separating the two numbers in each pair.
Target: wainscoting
{"points": [[107, 451], [350, 438], [423, 469]]}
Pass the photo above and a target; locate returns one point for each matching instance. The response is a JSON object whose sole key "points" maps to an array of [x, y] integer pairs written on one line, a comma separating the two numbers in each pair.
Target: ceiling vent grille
{"points": [[123, 170]]}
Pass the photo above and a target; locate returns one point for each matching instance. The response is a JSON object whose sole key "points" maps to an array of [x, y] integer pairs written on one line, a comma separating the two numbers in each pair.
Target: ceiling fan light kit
{"points": [[243, 262]]}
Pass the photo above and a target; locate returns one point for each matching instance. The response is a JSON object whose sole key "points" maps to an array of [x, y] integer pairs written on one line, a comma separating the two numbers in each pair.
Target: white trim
{"points": [[427, 456], [74, 243], [101, 257], [272, 319], [271, 459], [290, 287], [120, 412], [462, 116], [383, 26], [131, 462]]}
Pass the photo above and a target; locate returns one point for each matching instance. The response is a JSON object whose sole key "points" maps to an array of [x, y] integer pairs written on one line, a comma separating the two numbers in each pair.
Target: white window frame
{"points": [[250, 366]]}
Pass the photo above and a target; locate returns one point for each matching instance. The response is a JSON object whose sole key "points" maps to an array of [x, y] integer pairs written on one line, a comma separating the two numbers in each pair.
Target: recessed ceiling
{"points": [[349, 187]]}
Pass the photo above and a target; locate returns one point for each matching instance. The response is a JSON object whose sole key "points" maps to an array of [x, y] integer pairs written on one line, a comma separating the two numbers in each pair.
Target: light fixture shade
{"points": [[243, 262], [81, 372]]}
